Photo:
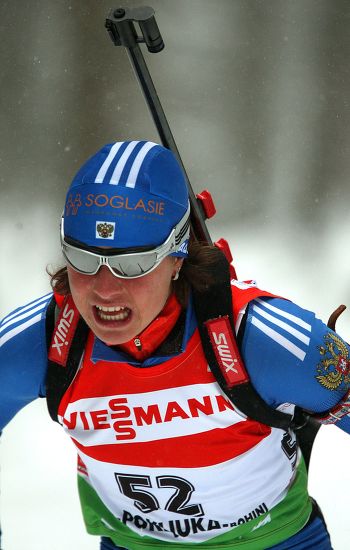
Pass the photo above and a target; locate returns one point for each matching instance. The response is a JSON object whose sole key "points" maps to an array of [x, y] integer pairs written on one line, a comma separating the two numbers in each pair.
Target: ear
{"points": [[177, 266], [178, 263]]}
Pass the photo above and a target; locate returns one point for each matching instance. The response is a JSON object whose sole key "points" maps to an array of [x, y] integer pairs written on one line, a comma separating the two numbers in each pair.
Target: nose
{"points": [[106, 284]]}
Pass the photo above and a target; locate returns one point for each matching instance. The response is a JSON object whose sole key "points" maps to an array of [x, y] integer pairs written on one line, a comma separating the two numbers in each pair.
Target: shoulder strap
{"points": [[66, 339], [216, 327]]}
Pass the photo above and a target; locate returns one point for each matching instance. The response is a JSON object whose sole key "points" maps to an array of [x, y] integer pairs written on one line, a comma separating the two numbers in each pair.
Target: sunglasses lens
{"points": [[79, 260], [135, 266]]}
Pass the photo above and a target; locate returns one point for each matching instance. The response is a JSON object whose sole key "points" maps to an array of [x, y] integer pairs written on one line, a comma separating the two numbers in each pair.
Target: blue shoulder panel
{"points": [[23, 357], [292, 357]]}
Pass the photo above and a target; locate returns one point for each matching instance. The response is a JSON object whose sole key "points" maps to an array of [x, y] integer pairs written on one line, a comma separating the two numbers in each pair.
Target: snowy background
{"points": [[257, 96]]}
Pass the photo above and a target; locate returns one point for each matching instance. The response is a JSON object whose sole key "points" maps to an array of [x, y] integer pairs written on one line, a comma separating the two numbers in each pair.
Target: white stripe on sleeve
{"points": [[289, 316], [299, 335], [11, 333], [281, 340], [25, 315], [27, 307]]}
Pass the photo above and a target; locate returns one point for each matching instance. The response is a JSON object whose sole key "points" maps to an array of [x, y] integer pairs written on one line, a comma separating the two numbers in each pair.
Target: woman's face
{"points": [[117, 310]]}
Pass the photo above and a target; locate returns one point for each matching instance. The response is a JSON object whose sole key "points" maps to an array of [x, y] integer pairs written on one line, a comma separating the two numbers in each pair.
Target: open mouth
{"points": [[116, 313]]}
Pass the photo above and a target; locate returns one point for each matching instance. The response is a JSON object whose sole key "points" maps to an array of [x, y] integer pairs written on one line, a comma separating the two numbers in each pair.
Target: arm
{"points": [[23, 358], [292, 357]]}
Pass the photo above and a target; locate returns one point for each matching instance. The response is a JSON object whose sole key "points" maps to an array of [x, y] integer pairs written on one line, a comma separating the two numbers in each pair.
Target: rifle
{"points": [[121, 26]]}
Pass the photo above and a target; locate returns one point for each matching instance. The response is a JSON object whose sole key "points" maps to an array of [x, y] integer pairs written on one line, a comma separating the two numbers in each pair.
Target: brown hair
{"points": [[197, 272]]}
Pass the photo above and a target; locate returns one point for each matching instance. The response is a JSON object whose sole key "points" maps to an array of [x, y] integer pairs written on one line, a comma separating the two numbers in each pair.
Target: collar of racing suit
{"points": [[145, 344]]}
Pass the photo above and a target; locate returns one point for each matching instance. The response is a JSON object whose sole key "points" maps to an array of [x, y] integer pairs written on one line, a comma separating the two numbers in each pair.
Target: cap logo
{"points": [[73, 204], [184, 247], [105, 230]]}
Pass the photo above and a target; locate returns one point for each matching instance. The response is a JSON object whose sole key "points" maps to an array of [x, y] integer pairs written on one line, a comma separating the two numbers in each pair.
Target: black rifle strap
{"points": [[216, 303], [306, 436], [60, 377]]}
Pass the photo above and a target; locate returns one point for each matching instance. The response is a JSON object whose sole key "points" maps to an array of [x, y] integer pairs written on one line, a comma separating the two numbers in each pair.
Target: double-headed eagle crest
{"points": [[104, 230], [334, 369]]}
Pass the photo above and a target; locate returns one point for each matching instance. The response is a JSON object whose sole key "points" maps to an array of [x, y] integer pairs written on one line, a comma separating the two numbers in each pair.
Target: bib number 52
{"points": [[135, 487]]}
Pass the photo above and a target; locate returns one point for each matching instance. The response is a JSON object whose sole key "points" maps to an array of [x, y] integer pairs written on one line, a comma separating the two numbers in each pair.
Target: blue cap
{"points": [[129, 194]]}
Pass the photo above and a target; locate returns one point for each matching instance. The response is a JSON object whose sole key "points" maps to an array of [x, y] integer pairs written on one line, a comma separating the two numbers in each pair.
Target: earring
{"points": [[176, 276]]}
